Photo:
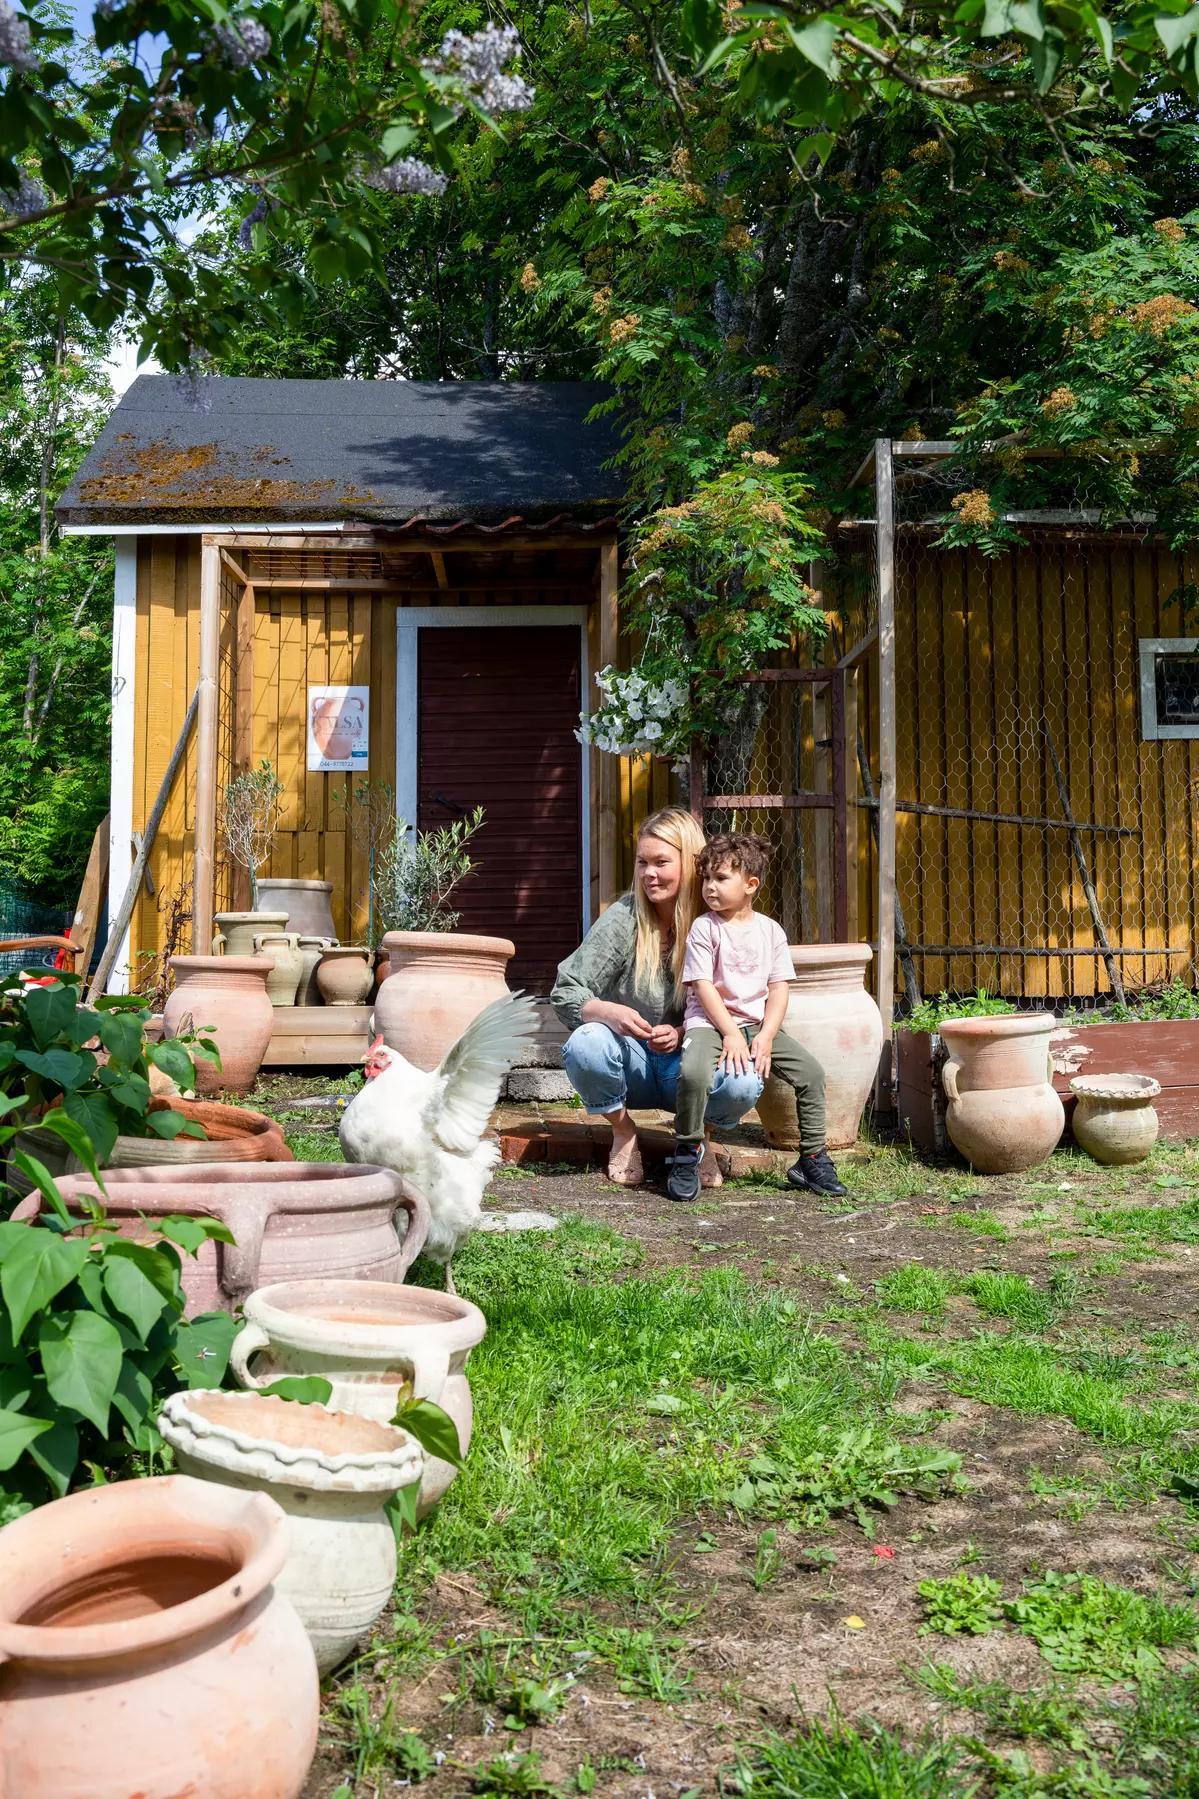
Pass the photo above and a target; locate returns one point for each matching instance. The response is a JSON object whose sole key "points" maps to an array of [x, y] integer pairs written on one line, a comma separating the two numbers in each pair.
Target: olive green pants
{"points": [[789, 1060]]}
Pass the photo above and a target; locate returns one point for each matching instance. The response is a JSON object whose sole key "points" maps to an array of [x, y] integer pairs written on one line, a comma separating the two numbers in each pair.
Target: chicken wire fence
{"points": [[1046, 758]]}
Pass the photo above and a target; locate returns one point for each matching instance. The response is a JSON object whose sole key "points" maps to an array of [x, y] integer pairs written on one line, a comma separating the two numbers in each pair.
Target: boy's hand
{"points": [[760, 1054], [734, 1053]]}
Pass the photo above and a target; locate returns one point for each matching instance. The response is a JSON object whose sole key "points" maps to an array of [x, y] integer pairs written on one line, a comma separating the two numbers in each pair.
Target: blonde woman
{"points": [[621, 996]]}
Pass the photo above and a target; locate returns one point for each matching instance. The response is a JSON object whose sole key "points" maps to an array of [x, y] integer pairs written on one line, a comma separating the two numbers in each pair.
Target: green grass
{"points": [[1083, 1625], [915, 1288], [611, 1407], [838, 1760]]}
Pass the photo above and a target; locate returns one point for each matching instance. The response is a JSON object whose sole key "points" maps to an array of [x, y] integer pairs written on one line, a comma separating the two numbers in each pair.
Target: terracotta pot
{"points": [[145, 1650], [311, 951], [332, 1474], [236, 931], [1003, 1113], [282, 950], [831, 1014], [344, 976], [367, 1338], [232, 1135], [228, 995], [289, 1220], [1114, 1119], [308, 905], [439, 981]]}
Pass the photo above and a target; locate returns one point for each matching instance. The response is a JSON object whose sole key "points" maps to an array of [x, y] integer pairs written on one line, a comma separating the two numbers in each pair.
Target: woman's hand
{"points": [[734, 1053], [666, 1038], [626, 1021]]}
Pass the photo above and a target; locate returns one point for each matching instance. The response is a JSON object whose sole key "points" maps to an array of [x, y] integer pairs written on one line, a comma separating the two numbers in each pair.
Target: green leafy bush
{"points": [[89, 1063], [1082, 1625], [930, 1014], [416, 874]]}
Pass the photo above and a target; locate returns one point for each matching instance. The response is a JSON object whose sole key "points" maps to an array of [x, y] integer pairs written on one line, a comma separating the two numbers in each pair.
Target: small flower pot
{"points": [[311, 951], [332, 1474], [145, 1649], [344, 976], [282, 950], [1114, 1119]]}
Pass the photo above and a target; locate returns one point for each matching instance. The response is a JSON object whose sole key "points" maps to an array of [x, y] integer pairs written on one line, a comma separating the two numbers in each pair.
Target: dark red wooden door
{"points": [[497, 712]]}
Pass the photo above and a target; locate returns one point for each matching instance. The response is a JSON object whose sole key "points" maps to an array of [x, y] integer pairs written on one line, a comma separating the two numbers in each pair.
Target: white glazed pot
{"points": [[332, 1474], [830, 1012], [368, 1339], [1114, 1119]]}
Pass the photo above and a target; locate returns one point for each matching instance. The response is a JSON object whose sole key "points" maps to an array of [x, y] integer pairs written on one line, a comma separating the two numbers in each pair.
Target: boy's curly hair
{"points": [[734, 849]]}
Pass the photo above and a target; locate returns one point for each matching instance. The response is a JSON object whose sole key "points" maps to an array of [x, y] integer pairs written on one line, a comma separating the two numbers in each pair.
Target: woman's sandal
{"points": [[709, 1169], [625, 1167]]}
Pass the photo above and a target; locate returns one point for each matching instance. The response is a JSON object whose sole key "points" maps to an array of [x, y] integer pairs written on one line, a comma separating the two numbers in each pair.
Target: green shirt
{"points": [[602, 968]]}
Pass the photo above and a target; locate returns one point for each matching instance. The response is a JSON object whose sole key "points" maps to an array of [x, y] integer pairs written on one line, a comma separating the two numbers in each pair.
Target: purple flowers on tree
{"points": [[242, 41], [29, 197], [14, 41], [479, 61], [409, 175]]}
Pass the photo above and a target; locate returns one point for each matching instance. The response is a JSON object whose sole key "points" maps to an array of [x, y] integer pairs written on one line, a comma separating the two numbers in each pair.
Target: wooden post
{"points": [[884, 491], [607, 797], [204, 866], [243, 714]]}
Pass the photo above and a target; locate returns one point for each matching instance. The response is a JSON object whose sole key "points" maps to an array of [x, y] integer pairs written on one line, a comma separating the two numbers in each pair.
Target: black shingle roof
{"points": [[265, 450]]}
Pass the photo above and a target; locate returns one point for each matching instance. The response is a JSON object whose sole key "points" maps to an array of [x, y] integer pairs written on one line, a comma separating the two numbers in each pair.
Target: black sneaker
{"points": [[817, 1174], [683, 1180]]}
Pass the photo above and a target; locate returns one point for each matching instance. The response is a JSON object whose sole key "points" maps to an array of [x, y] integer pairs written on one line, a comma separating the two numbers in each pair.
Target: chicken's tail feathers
{"points": [[468, 1081]]}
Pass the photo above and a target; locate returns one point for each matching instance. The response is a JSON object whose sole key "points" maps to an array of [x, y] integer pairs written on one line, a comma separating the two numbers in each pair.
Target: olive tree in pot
{"points": [[440, 978], [249, 821]]}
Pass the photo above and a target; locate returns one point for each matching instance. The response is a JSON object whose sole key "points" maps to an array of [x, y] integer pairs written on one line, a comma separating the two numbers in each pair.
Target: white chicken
{"points": [[430, 1127]]}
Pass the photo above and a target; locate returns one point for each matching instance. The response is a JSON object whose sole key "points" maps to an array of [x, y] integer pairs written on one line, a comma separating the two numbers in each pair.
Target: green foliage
{"points": [[961, 1605], [839, 1760], [89, 1065], [915, 1288], [930, 1014], [92, 1338], [1082, 1625], [1050, 1714], [513, 1777], [417, 871], [250, 818]]}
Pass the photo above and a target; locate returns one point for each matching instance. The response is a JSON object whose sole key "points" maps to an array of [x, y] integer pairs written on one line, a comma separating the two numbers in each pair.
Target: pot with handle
{"points": [[323, 1221], [1003, 1114], [370, 1340]]}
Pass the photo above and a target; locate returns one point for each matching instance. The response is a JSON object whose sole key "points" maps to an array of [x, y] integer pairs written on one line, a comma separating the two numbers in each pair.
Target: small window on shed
{"points": [[1169, 686]]}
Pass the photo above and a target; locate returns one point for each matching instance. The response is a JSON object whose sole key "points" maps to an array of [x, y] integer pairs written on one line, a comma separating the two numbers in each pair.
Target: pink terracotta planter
{"points": [[144, 1649], [228, 994], [439, 981], [1003, 1113], [289, 1220]]}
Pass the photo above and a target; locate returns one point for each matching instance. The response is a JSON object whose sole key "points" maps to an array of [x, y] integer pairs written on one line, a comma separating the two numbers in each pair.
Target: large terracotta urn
{"points": [[145, 1650], [832, 1015], [236, 931], [332, 1473], [307, 905], [367, 1338], [224, 996], [1003, 1114], [438, 982], [289, 1221], [1114, 1118]]}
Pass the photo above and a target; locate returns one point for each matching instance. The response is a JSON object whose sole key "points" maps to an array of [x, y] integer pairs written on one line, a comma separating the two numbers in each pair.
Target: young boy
{"points": [[736, 972]]}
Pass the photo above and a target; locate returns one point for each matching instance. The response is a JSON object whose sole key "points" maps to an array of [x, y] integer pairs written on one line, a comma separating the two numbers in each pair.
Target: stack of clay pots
{"points": [[308, 965]]}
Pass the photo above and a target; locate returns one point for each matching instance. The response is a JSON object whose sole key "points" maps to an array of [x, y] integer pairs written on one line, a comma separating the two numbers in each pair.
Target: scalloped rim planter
{"points": [[145, 1649], [367, 1338], [332, 1473], [1114, 1119], [306, 1221], [1166, 1049]]}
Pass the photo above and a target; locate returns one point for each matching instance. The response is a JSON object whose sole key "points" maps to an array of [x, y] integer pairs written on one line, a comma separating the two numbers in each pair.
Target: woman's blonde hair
{"points": [[678, 828]]}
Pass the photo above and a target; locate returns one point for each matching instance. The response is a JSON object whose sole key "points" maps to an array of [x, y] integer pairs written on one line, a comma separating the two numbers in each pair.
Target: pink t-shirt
{"points": [[740, 960]]}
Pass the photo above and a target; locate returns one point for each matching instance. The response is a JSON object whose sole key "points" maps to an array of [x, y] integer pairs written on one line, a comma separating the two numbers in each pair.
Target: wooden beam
{"points": [[607, 796], [204, 865], [235, 568], [407, 589], [91, 899], [884, 476], [243, 715], [332, 543], [859, 649], [437, 558]]}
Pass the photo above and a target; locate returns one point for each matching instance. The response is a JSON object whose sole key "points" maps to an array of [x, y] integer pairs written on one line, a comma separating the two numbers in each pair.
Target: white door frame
{"points": [[412, 619]]}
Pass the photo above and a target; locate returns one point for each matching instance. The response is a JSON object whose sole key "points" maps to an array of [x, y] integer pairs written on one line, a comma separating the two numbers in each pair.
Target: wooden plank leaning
{"points": [[120, 922]]}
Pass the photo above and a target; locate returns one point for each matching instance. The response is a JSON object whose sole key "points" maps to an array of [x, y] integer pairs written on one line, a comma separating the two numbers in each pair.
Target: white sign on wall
{"points": [[338, 729]]}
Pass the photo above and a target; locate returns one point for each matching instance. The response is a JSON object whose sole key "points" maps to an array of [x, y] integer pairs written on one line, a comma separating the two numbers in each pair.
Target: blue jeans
{"points": [[609, 1072]]}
